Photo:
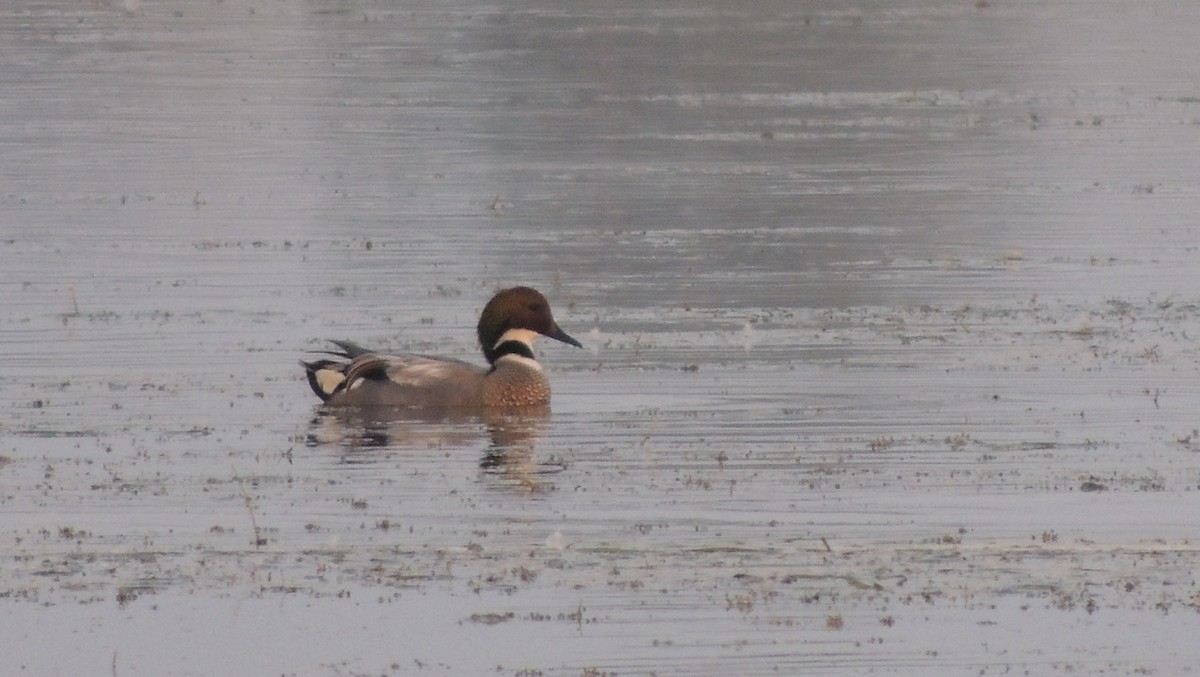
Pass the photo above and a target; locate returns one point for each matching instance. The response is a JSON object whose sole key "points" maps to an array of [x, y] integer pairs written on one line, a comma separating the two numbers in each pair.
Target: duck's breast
{"points": [[516, 382]]}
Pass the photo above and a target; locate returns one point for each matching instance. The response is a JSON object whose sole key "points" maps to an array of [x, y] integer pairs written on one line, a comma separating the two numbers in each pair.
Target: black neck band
{"points": [[519, 348]]}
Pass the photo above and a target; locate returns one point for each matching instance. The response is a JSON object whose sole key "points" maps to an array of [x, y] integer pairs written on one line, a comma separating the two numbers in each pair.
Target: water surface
{"points": [[889, 313]]}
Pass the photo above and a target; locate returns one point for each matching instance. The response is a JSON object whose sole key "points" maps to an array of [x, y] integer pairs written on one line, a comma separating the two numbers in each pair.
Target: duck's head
{"points": [[517, 314]]}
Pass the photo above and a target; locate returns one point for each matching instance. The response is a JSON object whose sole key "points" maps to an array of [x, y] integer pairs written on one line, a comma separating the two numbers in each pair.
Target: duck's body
{"points": [[507, 327]]}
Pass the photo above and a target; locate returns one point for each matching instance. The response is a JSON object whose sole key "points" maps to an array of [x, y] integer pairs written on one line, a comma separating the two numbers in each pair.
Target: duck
{"points": [[508, 326]]}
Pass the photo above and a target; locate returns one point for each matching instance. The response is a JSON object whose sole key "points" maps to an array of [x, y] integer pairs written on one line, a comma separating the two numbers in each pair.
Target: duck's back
{"points": [[414, 381]]}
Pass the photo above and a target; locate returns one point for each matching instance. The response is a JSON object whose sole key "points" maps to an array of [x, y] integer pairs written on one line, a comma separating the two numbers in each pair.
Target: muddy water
{"points": [[890, 315]]}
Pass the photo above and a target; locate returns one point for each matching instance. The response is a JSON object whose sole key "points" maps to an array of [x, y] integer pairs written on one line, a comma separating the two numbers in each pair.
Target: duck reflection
{"points": [[509, 437]]}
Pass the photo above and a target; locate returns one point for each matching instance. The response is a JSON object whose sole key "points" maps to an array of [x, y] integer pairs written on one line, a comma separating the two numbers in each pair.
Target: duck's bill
{"points": [[560, 335]]}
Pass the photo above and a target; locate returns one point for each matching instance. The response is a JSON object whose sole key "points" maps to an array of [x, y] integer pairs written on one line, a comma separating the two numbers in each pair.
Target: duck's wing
{"points": [[370, 379], [412, 381]]}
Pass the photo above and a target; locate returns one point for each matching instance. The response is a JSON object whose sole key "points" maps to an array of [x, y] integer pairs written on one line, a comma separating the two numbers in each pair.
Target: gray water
{"points": [[889, 313]]}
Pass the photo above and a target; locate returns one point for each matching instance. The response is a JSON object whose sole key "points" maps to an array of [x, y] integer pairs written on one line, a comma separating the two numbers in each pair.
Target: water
{"points": [[889, 314]]}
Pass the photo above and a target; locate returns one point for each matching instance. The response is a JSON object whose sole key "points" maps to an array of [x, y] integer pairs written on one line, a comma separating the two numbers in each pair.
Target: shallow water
{"points": [[889, 316]]}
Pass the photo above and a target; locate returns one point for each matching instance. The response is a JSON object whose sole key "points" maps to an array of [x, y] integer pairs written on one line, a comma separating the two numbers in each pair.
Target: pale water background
{"points": [[890, 313]]}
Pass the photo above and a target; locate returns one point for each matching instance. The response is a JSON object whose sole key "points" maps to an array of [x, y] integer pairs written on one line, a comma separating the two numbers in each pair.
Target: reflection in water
{"points": [[511, 435]]}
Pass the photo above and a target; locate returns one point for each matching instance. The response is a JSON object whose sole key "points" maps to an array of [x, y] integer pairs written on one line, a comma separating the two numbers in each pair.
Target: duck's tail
{"points": [[327, 377]]}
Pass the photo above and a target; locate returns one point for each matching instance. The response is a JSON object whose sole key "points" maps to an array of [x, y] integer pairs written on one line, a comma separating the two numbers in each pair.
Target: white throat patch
{"points": [[525, 336]]}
